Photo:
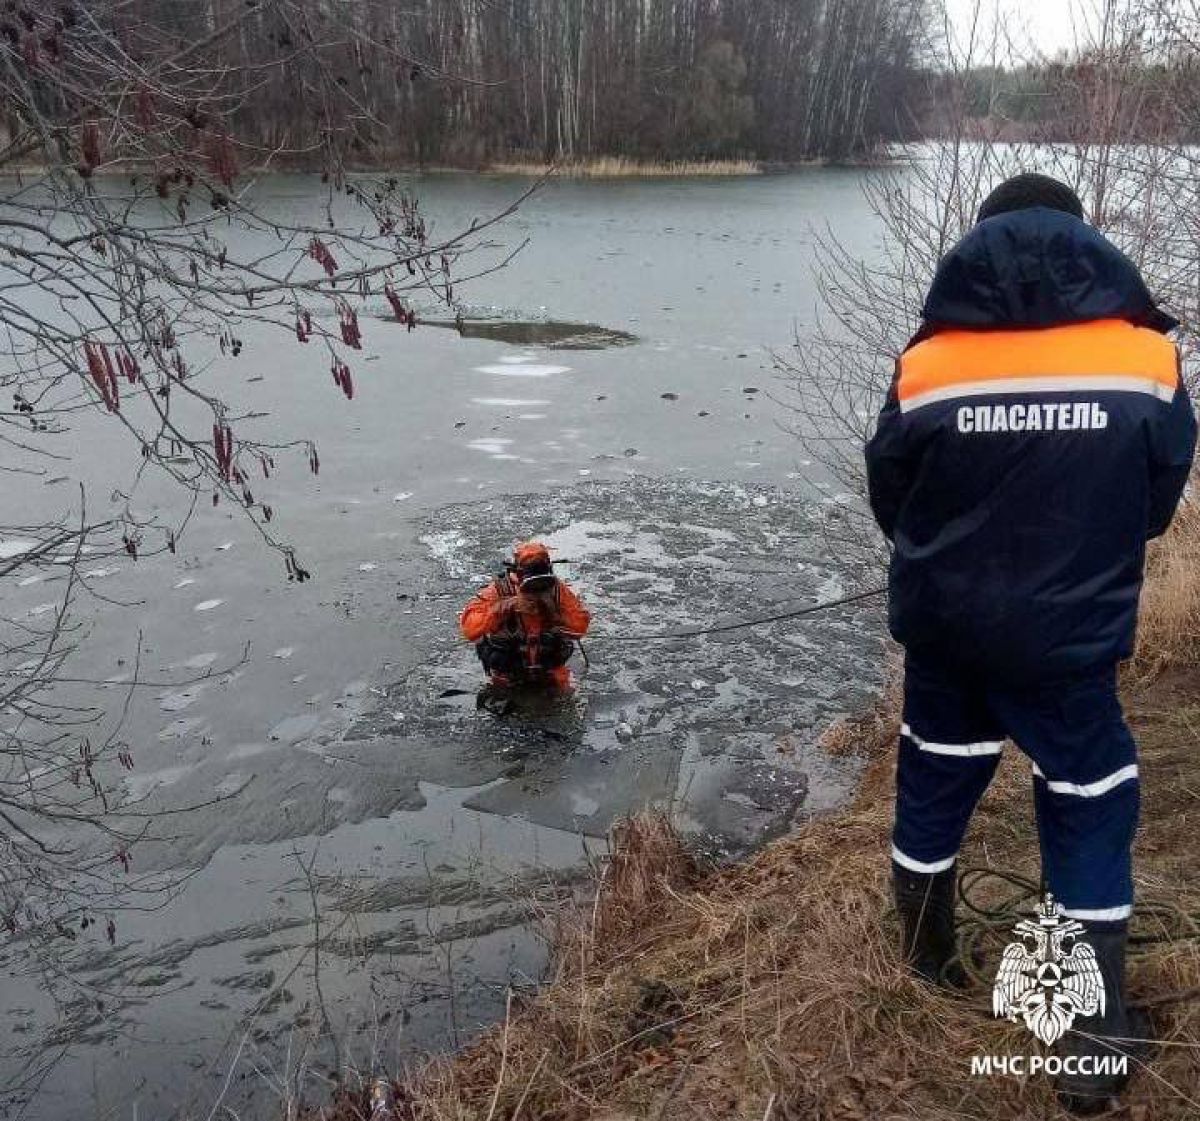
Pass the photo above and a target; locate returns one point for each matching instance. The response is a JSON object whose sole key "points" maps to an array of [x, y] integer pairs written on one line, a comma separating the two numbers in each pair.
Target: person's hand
{"points": [[506, 609], [538, 605]]}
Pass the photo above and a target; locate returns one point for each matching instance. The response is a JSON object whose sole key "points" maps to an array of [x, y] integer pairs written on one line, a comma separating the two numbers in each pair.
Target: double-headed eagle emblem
{"points": [[1043, 984]]}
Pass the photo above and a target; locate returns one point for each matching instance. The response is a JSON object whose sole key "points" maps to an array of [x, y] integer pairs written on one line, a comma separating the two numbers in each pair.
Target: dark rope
{"points": [[1158, 920], [756, 621]]}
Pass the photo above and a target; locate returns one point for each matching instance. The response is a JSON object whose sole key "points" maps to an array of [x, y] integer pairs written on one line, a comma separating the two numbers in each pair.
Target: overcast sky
{"points": [[1051, 24]]}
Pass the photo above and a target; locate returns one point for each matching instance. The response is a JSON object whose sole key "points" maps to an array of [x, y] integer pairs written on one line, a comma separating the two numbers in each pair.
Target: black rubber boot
{"points": [[925, 905], [1088, 1093]]}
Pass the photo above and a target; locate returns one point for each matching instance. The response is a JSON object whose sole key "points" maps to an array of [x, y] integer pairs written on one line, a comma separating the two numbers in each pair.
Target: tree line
{"points": [[466, 82]]}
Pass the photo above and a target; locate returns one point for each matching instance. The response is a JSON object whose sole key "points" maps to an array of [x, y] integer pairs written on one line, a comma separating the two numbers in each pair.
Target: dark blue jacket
{"points": [[1036, 435]]}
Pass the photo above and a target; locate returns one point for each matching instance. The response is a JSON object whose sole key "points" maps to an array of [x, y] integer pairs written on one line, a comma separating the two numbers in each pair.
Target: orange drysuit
{"points": [[523, 636]]}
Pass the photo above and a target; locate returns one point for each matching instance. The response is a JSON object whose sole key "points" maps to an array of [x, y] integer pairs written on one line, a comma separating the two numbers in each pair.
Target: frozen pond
{"points": [[360, 824]]}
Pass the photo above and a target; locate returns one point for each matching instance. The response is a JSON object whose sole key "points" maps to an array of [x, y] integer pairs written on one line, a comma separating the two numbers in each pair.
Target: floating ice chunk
{"points": [[284, 652], [208, 604], [367, 567], [138, 786], [517, 370], [245, 750], [231, 784], [177, 702], [448, 548], [509, 402], [14, 547], [489, 445], [201, 661], [581, 804], [294, 728], [177, 729], [185, 582], [760, 500], [831, 587], [403, 496], [225, 547], [532, 416]]}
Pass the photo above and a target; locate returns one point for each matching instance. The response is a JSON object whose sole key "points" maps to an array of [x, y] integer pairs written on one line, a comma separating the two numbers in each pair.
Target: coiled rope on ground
{"points": [[1158, 922]]}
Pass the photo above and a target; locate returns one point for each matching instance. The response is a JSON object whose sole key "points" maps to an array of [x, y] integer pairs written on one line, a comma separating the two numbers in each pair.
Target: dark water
{"points": [[611, 391]]}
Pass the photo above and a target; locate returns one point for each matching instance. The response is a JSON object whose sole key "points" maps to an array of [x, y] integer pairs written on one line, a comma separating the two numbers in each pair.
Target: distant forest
{"points": [[466, 82], [1118, 95]]}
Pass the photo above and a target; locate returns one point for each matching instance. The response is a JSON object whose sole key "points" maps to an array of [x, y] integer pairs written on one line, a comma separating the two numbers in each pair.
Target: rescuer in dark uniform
{"points": [[1036, 436]]}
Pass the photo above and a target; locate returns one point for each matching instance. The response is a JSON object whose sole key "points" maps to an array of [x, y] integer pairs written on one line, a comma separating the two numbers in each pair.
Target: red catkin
{"points": [[401, 312], [320, 253], [223, 451]]}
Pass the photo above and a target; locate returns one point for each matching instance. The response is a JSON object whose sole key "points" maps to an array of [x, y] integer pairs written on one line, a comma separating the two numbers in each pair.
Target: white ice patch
{"points": [[14, 547], [177, 729], [515, 370], [448, 547], [830, 588], [187, 581], [100, 573], [225, 547], [588, 538], [581, 804], [67, 558], [29, 580], [284, 652], [518, 359], [532, 416], [231, 784], [489, 445], [403, 496], [722, 535], [177, 702], [42, 608], [208, 604], [200, 661], [367, 567], [138, 786], [245, 750], [510, 402]]}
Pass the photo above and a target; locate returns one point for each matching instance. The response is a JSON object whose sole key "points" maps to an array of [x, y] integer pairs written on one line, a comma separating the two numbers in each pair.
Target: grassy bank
{"points": [[620, 167], [771, 990]]}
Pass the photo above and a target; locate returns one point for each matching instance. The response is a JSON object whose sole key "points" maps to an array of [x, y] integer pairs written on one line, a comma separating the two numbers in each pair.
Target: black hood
{"points": [[1037, 268]]}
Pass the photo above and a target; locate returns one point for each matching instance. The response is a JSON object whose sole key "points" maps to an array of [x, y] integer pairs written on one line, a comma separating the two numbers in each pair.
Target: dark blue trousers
{"points": [[1085, 777]]}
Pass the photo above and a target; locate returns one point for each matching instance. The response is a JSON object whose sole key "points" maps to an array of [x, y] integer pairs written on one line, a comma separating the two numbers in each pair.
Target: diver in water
{"points": [[524, 625]]}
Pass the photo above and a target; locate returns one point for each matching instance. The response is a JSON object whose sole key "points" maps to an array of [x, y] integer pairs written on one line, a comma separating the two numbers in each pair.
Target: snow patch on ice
{"points": [[515, 370], [14, 547]]}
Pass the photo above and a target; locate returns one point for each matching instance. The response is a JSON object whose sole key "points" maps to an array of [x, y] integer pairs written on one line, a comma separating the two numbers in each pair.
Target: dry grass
{"points": [[1169, 625], [772, 989], [620, 167]]}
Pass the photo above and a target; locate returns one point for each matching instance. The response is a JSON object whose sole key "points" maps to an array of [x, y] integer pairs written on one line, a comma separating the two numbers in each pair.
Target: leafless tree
{"points": [[1115, 133], [136, 251]]}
